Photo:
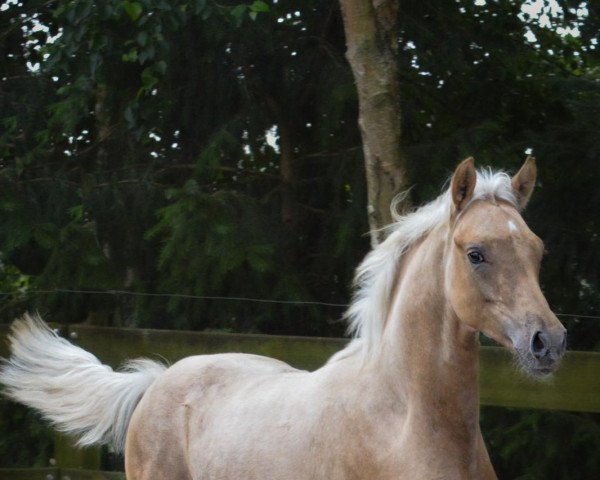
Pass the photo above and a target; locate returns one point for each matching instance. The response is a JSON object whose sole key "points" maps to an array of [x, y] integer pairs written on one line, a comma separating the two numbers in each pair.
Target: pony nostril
{"points": [[538, 345]]}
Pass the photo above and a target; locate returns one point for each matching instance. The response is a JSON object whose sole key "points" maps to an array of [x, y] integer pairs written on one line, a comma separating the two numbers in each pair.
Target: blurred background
{"points": [[156, 156]]}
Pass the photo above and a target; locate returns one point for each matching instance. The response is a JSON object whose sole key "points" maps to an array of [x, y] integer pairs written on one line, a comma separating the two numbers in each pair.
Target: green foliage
{"points": [[148, 118], [213, 242], [26, 440], [534, 445], [12, 282]]}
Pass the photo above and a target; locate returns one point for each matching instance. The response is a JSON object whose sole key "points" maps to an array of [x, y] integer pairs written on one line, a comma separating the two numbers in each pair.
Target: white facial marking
{"points": [[511, 226]]}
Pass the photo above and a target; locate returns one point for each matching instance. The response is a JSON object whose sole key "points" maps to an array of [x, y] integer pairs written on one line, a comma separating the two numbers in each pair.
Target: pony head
{"points": [[492, 267]]}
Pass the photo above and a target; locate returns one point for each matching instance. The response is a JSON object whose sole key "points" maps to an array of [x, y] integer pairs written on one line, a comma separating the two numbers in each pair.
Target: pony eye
{"points": [[475, 257]]}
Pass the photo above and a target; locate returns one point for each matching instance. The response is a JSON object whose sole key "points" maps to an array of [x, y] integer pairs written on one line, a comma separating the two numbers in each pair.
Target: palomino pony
{"points": [[399, 402]]}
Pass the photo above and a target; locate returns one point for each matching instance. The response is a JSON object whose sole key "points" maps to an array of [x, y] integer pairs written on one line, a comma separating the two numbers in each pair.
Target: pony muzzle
{"points": [[546, 348]]}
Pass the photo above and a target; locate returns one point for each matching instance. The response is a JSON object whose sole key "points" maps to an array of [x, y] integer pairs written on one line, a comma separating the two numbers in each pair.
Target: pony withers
{"points": [[400, 401]]}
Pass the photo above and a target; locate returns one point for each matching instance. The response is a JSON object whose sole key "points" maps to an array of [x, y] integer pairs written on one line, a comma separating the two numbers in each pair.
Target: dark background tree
{"points": [[212, 149]]}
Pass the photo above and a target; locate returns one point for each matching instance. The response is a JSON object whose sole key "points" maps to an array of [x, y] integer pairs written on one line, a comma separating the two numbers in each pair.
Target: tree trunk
{"points": [[286, 162], [288, 201], [371, 41]]}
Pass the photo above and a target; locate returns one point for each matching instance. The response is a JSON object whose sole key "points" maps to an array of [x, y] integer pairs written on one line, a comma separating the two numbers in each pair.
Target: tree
{"points": [[156, 115], [372, 47]]}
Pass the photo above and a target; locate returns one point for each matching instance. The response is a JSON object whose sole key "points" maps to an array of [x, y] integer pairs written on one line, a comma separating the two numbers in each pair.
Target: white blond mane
{"points": [[376, 275]]}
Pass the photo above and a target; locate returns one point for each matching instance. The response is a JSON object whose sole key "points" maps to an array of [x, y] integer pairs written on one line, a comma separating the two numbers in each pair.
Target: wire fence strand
{"points": [[178, 295], [219, 298]]}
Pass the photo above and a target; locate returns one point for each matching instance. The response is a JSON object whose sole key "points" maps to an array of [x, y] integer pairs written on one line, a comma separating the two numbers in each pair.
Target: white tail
{"points": [[70, 386]]}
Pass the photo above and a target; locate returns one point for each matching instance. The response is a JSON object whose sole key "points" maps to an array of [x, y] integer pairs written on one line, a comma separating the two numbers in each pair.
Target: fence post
{"points": [[67, 455]]}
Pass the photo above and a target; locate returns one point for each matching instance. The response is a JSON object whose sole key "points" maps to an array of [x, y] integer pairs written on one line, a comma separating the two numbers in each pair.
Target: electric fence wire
{"points": [[216, 298]]}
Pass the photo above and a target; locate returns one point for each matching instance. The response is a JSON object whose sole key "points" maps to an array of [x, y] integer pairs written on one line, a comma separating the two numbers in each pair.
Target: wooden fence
{"points": [[576, 386]]}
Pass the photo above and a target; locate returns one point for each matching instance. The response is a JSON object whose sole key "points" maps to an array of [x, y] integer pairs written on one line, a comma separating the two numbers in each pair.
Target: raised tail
{"points": [[70, 386]]}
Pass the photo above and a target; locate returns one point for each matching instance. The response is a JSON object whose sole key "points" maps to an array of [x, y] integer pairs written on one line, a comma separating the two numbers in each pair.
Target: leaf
{"points": [[161, 67], [76, 212], [148, 79], [259, 6], [199, 6], [133, 9], [238, 13], [147, 54], [129, 117], [142, 38], [130, 56]]}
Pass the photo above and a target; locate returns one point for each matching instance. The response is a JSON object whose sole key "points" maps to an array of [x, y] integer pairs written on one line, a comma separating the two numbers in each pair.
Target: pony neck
{"points": [[431, 354]]}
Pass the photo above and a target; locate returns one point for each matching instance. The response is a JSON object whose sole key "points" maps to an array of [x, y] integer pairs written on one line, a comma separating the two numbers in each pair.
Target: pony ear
{"points": [[524, 181], [463, 183]]}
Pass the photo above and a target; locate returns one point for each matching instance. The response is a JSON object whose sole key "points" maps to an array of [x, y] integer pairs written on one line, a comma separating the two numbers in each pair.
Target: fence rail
{"points": [[57, 474], [575, 387]]}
